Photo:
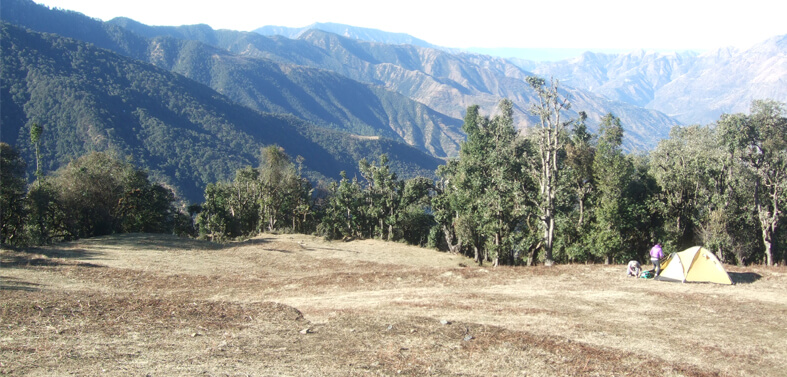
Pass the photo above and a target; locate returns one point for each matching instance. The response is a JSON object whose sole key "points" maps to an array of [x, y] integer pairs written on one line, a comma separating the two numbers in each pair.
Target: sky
{"points": [[565, 24]]}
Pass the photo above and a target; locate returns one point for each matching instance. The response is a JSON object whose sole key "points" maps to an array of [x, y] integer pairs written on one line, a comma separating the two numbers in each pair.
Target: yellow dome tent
{"points": [[695, 264]]}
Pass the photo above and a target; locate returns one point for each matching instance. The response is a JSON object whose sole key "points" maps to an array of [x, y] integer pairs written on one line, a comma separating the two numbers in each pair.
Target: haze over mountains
{"points": [[691, 87], [443, 81], [352, 32], [332, 96]]}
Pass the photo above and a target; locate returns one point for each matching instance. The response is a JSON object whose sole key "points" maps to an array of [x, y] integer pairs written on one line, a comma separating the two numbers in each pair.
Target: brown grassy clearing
{"points": [[297, 305]]}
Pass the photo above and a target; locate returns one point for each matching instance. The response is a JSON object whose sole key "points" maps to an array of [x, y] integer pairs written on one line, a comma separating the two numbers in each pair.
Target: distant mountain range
{"points": [[352, 32], [331, 93], [445, 82], [690, 87]]}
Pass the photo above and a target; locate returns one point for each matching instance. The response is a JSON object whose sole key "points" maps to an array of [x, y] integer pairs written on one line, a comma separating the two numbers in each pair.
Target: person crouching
{"points": [[633, 269]]}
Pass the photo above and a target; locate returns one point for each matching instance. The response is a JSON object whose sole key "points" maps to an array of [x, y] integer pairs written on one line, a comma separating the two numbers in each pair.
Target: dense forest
{"points": [[555, 194]]}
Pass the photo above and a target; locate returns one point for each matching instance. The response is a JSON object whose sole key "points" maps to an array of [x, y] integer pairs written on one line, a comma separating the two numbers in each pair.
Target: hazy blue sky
{"points": [[610, 24]]}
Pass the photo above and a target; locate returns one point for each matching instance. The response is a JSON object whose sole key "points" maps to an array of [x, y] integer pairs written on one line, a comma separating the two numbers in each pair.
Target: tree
{"points": [[257, 199], [415, 219], [550, 139], [244, 200], [687, 167], [283, 191], [580, 154], [46, 221], [214, 221], [447, 205], [760, 143], [731, 221], [506, 183], [145, 207], [89, 189], [578, 176], [35, 138], [12, 195], [612, 171], [382, 197], [342, 216], [482, 193], [98, 194], [302, 208]]}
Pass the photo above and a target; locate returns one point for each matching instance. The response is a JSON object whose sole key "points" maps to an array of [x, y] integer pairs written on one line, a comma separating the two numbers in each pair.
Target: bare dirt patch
{"points": [[298, 305]]}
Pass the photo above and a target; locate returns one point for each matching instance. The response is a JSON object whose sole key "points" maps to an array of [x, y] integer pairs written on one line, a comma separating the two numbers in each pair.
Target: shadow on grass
{"points": [[54, 252], [148, 241], [744, 277], [92, 248], [281, 251], [33, 259], [13, 284], [249, 242]]}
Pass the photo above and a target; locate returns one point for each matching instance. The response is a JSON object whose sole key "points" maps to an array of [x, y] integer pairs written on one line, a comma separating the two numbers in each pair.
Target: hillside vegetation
{"points": [[90, 99], [325, 98], [142, 304]]}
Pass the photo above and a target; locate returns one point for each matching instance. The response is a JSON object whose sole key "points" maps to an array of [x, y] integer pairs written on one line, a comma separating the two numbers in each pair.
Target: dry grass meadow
{"points": [[295, 305]]}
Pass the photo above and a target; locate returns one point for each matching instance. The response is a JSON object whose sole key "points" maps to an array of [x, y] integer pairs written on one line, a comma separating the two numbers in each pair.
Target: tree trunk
{"points": [[768, 247], [449, 239], [496, 260], [531, 255], [765, 223], [549, 234]]}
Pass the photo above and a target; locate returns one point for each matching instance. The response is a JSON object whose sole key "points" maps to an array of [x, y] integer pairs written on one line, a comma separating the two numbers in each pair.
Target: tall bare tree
{"points": [[550, 140], [35, 139]]}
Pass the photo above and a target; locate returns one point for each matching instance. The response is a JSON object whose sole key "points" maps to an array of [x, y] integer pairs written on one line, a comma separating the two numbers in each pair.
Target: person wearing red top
{"points": [[655, 255]]}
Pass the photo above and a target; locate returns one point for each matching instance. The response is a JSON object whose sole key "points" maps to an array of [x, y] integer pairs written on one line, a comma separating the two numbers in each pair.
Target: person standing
{"points": [[655, 255]]}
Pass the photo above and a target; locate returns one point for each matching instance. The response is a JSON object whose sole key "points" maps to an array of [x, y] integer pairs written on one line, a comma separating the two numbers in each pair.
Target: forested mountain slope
{"points": [[187, 134], [689, 86], [322, 97], [445, 82], [329, 100]]}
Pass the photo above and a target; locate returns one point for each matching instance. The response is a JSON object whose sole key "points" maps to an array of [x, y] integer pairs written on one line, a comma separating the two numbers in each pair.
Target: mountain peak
{"points": [[348, 31], [774, 45]]}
